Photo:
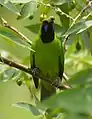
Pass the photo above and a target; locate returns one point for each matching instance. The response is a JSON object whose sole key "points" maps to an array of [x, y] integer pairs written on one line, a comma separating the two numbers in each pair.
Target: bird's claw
{"points": [[56, 82], [35, 71]]}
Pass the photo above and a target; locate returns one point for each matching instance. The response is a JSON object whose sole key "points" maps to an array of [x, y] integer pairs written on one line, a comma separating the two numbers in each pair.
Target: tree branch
{"points": [[29, 71], [22, 67], [15, 65], [5, 24]]}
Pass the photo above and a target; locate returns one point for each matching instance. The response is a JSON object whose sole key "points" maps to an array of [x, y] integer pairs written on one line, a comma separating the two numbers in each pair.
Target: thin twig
{"points": [[74, 21], [66, 78], [77, 17], [29, 71], [60, 13], [57, 10], [5, 24]]}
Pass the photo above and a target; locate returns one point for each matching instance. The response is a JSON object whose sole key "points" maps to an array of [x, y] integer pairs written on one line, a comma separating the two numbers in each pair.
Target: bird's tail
{"points": [[47, 90]]}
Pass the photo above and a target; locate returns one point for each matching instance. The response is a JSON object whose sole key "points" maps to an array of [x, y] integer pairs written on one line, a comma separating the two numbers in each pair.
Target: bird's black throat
{"points": [[47, 32]]}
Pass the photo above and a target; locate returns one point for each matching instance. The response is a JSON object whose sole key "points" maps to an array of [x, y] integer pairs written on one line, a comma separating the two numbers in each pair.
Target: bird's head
{"points": [[47, 30]]}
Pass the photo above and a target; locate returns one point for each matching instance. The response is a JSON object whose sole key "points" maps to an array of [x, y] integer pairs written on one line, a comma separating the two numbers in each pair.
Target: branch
{"points": [[22, 67], [15, 65], [29, 71], [5, 24], [57, 10]]}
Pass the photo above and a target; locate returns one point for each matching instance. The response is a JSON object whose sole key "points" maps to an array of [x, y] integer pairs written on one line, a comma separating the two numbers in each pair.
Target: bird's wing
{"points": [[35, 79], [61, 62], [61, 68]]}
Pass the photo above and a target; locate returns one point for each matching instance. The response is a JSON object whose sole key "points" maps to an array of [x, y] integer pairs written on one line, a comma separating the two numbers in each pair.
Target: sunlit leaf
{"points": [[85, 26], [74, 29], [8, 74], [79, 27], [59, 2], [10, 6], [21, 1], [64, 15], [73, 100], [85, 37], [87, 60], [27, 80], [77, 116], [28, 10], [33, 28], [28, 107], [6, 1], [90, 37], [81, 78], [45, 8], [81, 3], [10, 35]]}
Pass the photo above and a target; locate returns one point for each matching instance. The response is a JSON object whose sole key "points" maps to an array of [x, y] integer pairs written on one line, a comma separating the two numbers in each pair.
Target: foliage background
{"points": [[77, 58], [10, 92]]}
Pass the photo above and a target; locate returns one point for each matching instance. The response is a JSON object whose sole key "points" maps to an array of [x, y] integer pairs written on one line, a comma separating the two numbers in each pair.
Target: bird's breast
{"points": [[46, 58]]}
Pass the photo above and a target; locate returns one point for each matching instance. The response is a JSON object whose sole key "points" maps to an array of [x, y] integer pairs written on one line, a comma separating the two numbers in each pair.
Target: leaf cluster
{"points": [[73, 25]]}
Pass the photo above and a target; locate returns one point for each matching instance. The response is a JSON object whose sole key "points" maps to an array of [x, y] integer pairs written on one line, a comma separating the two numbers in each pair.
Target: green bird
{"points": [[48, 57]]}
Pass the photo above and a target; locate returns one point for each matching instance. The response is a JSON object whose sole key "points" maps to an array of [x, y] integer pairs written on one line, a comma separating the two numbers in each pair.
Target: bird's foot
{"points": [[35, 71], [56, 82]]}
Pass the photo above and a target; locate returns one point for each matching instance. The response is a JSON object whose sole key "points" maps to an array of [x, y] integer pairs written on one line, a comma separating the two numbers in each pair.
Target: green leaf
{"points": [[8, 74], [85, 26], [36, 27], [27, 80], [6, 1], [85, 36], [79, 27], [87, 60], [45, 8], [73, 100], [81, 3], [33, 28], [77, 116], [81, 78], [64, 15], [59, 30], [10, 6], [13, 37], [71, 46], [74, 29], [53, 113], [28, 107], [59, 2], [21, 1], [90, 37], [28, 10]]}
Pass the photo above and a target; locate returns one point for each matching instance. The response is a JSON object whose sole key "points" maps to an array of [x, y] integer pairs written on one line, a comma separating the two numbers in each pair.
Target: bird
{"points": [[48, 57]]}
